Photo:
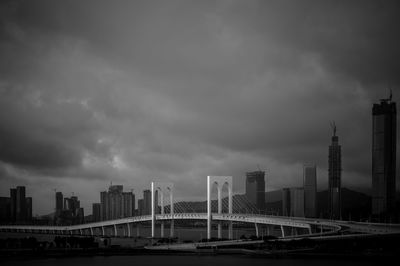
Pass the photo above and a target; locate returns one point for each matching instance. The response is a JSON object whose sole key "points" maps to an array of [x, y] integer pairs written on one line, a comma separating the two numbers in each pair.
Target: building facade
{"points": [[96, 212], [286, 202], [116, 204], [17, 206], [297, 202], [310, 190], [59, 202], [334, 177], [384, 123], [255, 189]]}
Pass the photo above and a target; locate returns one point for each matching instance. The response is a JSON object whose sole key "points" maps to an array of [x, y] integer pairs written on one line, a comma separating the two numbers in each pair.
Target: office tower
{"points": [[334, 175], [28, 204], [297, 202], [20, 206], [286, 202], [20, 211], [146, 202], [96, 211], [13, 204], [255, 188], [104, 205], [116, 204], [310, 190], [128, 204], [79, 216], [115, 198], [140, 207], [59, 202], [5, 210], [383, 159]]}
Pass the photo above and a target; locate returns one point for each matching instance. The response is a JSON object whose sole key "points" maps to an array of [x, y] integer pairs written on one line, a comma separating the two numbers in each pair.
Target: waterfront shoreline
{"points": [[25, 254]]}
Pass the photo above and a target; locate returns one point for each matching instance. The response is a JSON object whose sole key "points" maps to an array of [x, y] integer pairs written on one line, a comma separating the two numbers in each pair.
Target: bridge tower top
{"points": [[220, 181]]}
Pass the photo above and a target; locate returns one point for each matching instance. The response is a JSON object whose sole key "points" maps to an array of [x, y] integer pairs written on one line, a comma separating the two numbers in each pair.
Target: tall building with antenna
{"points": [[384, 116], [255, 189], [334, 176]]}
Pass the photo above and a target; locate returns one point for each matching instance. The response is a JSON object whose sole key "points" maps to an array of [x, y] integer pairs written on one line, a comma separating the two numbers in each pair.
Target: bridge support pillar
{"points": [[209, 207], [257, 230], [129, 229], [230, 230], [115, 230], [137, 230], [219, 191], [91, 231], [80, 231], [282, 231], [162, 212], [171, 200], [153, 210], [102, 231]]}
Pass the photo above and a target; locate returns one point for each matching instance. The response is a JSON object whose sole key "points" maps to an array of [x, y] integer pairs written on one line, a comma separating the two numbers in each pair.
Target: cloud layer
{"points": [[134, 91]]}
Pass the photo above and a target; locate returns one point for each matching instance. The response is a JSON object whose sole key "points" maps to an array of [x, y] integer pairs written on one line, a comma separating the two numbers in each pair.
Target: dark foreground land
{"points": [[372, 248]]}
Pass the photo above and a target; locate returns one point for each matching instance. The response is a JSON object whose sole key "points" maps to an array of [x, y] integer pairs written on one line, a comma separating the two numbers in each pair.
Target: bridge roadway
{"points": [[311, 226]]}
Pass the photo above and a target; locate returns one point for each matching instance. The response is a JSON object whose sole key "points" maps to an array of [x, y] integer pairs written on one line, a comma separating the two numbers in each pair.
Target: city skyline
{"points": [[179, 90]]}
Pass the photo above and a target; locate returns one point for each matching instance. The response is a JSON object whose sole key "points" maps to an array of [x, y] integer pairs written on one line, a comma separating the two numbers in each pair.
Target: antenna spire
{"points": [[333, 126]]}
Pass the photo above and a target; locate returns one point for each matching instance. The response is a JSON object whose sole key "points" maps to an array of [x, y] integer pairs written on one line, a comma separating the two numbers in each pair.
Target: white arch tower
{"points": [[219, 181], [162, 188]]}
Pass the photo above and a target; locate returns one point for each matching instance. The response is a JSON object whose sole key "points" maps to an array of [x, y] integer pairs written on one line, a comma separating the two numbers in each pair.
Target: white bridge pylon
{"points": [[162, 188], [219, 181]]}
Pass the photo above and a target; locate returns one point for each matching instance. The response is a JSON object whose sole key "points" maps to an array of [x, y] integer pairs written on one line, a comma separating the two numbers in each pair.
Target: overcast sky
{"points": [[93, 92]]}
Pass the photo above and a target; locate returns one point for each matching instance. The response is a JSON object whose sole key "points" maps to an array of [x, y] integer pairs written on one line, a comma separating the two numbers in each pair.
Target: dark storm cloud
{"points": [[132, 91]]}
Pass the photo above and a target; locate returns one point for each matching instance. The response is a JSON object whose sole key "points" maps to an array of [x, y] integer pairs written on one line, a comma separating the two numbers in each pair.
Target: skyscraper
{"points": [[310, 190], [297, 202], [20, 211], [20, 206], [116, 204], [96, 212], [59, 202], [28, 205], [13, 204], [383, 158], [334, 176], [286, 202], [255, 188]]}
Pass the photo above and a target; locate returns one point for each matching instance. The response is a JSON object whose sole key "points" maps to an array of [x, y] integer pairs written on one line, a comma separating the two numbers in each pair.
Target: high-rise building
{"points": [[96, 210], [384, 122], [334, 177], [286, 202], [116, 204], [13, 204], [146, 202], [140, 207], [28, 205], [255, 188], [59, 202], [115, 198], [128, 203], [104, 205], [21, 205], [310, 190], [5, 215], [297, 202]]}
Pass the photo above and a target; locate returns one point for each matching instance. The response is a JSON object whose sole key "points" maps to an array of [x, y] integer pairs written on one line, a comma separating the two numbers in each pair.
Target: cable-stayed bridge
{"points": [[223, 211]]}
